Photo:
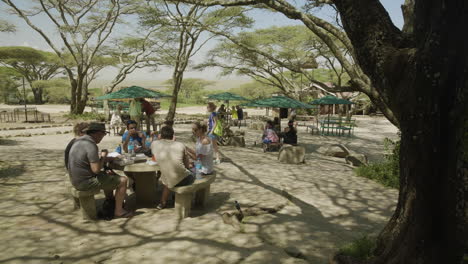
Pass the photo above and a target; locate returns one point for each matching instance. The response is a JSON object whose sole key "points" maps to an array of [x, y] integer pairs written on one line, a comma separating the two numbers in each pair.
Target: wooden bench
{"points": [[197, 192], [85, 201]]}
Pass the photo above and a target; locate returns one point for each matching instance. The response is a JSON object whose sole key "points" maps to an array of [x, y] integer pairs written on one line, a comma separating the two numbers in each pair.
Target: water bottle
{"points": [[118, 149], [198, 169], [148, 142], [131, 148]]}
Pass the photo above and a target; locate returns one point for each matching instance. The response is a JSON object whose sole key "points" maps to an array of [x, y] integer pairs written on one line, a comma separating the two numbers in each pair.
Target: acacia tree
{"points": [[420, 74], [33, 64], [132, 52], [330, 34], [281, 57], [83, 27], [180, 37]]}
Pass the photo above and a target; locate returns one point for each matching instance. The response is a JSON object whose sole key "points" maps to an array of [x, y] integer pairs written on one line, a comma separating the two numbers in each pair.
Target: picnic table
{"points": [[146, 179], [337, 126]]}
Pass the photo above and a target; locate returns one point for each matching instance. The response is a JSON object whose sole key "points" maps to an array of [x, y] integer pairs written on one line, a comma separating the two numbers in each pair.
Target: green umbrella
{"points": [[330, 100], [278, 102], [227, 97], [132, 92]]}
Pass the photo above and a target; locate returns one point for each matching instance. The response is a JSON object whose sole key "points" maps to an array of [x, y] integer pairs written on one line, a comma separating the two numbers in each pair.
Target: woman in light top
{"points": [[212, 122], [203, 147]]}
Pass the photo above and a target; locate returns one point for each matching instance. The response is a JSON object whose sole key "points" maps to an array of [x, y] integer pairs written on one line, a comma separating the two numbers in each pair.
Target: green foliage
{"points": [[95, 92], [328, 75], [255, 90], [192, 90], [56, 91], [284, 57], [33, 64], [165, 103], [9, 83], [360, 249], [87, 116], [386, 172]]}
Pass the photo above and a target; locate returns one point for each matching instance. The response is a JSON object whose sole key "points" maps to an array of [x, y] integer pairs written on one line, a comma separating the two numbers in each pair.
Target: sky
{"points": [[25, 36]]}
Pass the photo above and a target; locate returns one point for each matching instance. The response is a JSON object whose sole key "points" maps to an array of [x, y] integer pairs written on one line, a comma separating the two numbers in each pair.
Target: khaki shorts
{"points": [[102, 181]]}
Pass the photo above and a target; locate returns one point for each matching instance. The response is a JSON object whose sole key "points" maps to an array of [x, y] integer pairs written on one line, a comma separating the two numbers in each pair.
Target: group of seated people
{"points": [[88, 172], [273, 134]]}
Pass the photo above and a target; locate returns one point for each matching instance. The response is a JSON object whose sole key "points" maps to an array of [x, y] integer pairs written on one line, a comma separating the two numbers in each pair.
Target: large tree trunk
{"points": [[79, 95], [73, 103], [37, 95], [177, 77], [423, 79]]}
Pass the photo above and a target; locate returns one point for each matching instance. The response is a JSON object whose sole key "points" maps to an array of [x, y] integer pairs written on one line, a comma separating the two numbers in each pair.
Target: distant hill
{"points": [[158, 84]]}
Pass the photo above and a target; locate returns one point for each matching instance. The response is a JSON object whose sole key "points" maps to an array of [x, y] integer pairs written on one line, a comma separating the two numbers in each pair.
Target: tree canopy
{"points": [[83, 28], [33, 64]]}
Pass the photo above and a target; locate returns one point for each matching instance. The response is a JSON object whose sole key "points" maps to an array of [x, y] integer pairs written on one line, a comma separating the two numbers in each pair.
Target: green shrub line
{"points": [[386, 172], [87, 116]]}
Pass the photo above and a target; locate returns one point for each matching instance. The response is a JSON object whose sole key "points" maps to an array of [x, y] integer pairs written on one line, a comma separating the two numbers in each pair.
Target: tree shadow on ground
{"points": [[216, 201], [322, 210], [8, 142], [11, 171]]}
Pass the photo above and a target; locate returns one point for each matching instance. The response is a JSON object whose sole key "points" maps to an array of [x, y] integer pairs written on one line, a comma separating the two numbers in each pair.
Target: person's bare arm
{"points": [[191, 153], [125, 143], [96, 167], [143, 139], [215, 121], [186, 160]]}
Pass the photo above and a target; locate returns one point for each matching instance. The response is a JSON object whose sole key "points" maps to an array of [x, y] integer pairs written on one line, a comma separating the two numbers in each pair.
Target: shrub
{"points": [[388, 171], [87, 116], [360, 249]]}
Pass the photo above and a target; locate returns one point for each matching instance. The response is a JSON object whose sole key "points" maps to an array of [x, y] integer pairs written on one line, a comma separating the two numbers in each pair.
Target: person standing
{"points": [[173, 163], [135, 112], [234, 115], [240, 115], [85, 167], [222, 112], [149, 115], [212, 122]]}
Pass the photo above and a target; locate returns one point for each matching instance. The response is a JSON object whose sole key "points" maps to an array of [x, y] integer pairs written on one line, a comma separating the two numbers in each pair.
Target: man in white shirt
{"points": [[173, 162]]}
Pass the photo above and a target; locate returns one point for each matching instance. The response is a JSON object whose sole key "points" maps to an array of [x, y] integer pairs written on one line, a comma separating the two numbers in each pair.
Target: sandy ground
{"points": [[325, 206]]}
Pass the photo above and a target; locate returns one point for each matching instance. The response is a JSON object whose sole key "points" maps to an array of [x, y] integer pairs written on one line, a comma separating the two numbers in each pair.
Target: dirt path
{"points": [[325, 206]]}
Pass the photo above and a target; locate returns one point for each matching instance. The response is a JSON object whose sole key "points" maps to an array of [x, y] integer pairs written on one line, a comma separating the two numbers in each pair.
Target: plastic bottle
{"points": [[131, 148], [148, 142], [198, 169], [119, 149]]}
